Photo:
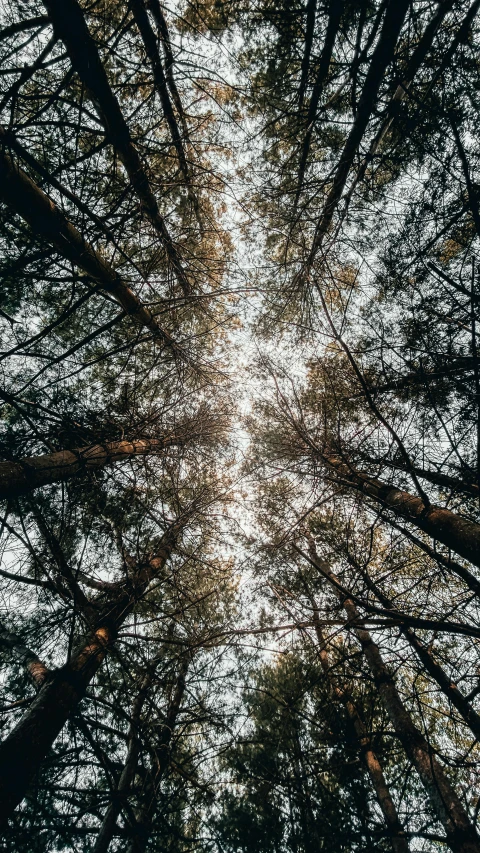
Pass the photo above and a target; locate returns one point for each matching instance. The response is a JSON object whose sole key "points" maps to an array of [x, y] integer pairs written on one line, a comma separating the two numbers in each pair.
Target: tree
{"points": [[239, 425]]}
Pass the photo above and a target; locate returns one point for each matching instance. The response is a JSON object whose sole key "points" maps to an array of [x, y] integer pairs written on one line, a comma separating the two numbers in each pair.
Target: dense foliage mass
{"points": [[240, 426]]}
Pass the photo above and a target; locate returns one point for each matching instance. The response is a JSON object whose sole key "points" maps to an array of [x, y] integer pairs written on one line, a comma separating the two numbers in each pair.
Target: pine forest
{"points": [[240, 426]]}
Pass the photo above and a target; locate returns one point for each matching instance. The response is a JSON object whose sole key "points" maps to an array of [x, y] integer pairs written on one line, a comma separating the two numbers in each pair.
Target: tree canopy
{"points": [[240, 426]]}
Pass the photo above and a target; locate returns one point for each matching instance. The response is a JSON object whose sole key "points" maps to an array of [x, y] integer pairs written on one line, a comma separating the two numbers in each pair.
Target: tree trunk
{"points": [[451, 565], [70, 26], [394, 828], [334, 17], [109, 824], [417, 378], [143, 828], [457, 533], [416, 59], [23, 750], [448, 688], [18, 478], [382, 56], [46, 219], [437, 478], [461, 835], [150, 42]]}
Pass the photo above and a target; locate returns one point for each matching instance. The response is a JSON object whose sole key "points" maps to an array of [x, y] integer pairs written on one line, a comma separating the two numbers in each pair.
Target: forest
{"points": [[240, 426]]}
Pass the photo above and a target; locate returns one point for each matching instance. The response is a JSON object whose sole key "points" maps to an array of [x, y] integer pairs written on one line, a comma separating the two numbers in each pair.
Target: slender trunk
{"points": [[454, 531], [150, 43], [18, 478], [414, 379], [23, 750], [451, 565], [143, 828], [434, 477], [70, 26], [461, 835], [46, 219], [394, 828], [448, 688], [162, 28], [109, 823], [418, 56], [333, 24], [310, 11], [382, 56]]}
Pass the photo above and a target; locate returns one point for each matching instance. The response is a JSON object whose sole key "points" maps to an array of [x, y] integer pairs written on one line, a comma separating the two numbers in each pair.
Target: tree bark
{"points": [[392, 822], [448, 688], [416, 59], [435, 477], [18, 478], [23, 750], [382, 56], [417, 378], [150, 43], [109, 823], [35, 667], [461, 834], [310, 12], [47, 220], [454, 531], [451, 565], [333, 24], [70, 26], [143, 828]]}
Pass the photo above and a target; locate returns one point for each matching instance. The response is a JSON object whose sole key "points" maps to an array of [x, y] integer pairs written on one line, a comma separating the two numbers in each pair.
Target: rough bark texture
{"points": [[18, 478], [457, 533], [23, 750]]}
